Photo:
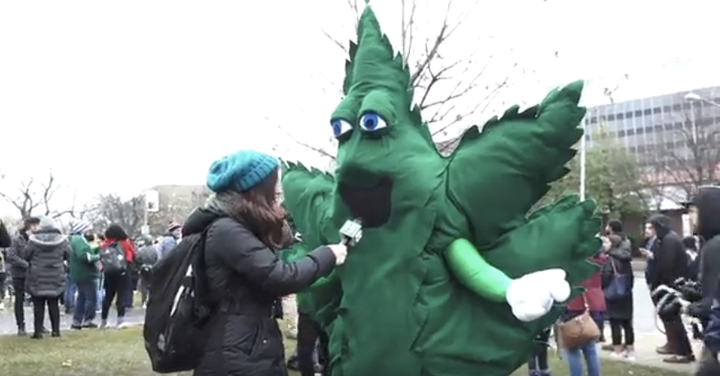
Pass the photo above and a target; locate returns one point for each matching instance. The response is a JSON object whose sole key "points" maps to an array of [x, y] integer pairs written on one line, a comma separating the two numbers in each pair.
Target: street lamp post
{"points": [[692, 98]]}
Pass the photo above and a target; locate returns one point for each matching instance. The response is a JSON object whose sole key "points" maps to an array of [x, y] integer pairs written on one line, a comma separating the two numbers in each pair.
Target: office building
{"points": [[658, 130]]}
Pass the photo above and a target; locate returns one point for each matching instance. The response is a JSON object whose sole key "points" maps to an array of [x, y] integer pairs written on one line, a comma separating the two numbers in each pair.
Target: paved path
{"points": [[7, 319]]}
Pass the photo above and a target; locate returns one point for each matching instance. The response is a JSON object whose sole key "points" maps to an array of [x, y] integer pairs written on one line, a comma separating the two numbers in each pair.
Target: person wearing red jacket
{"points": [[116, 284], [592, 300]]}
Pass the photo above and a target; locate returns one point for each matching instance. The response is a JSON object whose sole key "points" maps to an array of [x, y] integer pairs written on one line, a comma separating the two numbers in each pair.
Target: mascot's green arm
{"points": [[473, 272]]}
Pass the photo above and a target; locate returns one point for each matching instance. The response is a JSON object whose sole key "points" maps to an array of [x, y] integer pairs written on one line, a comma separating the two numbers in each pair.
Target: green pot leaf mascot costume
{"points": [[451, 277]]}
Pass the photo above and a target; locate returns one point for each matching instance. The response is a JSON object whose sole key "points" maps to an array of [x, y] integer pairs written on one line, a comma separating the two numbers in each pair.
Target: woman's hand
{"points": [[340, 251]]}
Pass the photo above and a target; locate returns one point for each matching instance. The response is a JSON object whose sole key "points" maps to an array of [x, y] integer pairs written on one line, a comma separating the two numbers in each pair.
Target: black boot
{"points": [[21, 331], [36, 335]]}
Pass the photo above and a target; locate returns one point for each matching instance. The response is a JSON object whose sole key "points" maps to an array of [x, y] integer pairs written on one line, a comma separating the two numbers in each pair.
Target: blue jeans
{"points": [[589, 354], [70, 290], [100, 293], [86, 302]]}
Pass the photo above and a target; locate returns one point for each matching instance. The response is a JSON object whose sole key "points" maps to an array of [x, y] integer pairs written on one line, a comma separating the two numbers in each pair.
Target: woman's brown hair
{"points": [[259, 210]]}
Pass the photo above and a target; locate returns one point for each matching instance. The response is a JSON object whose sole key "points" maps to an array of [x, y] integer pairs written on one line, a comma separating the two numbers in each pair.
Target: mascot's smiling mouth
{"points": [[369, 199]]}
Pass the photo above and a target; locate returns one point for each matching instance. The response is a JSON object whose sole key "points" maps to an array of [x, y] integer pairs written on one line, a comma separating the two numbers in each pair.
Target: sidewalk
{"points": [[645, 344]]}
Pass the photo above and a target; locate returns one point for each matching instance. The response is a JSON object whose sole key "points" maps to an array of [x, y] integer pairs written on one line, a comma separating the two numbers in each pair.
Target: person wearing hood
{"points": [[670, 263], [704, 212], [46, 252], [18, 269], [170, 239], [619, 308]]}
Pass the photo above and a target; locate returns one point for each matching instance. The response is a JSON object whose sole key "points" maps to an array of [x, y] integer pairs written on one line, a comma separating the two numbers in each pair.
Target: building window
{"points": [[666, 109], [593, 120], [640, 130], [658, 128], [678, 125], [621, 134], [620, 116], [687, 105], [676, 107], [628, 115], [656, 110], [630, 132], [668, 126], [648, 129], [647, 111], [611, 117], [638, 113]]}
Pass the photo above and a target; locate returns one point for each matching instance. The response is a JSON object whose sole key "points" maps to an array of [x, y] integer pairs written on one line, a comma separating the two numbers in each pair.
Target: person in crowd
{"points": [[620, 309], [147, 257], [3, 278], [704, 213], [85, 273], [18, 270], [134, 271], [538, 364], [691, 250], [170, 239], [46, 252], [245, 227], [592, 300], [116, 284], [5, 237], [615, 227], [710, 359], [69, 298], [670, 263]]}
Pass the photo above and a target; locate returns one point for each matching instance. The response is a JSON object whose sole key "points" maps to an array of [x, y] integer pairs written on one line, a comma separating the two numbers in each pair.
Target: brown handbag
{"points": [[578, 331]]}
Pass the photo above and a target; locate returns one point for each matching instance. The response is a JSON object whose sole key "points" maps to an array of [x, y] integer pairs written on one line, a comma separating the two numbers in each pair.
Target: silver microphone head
{"points": [[351, 232]]}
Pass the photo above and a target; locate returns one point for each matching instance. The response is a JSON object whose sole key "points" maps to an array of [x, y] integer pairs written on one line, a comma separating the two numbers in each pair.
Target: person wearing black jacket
{"points": [[670, 263], [245, 277], [704, 211], [5, 238]]}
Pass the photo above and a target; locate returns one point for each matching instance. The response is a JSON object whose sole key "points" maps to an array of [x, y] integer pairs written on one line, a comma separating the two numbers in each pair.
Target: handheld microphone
{"points": [[351, 232]]}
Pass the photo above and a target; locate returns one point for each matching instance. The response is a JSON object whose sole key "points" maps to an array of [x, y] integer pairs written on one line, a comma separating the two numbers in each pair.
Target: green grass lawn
{"points": [[121, 353]]}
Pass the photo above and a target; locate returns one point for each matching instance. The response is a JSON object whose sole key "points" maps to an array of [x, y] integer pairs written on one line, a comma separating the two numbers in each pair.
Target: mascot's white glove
{"points": [[533, 295]]}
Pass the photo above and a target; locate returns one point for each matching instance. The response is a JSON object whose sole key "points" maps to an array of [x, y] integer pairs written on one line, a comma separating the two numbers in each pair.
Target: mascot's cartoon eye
{"points": [[372, 122], [340, 127]]}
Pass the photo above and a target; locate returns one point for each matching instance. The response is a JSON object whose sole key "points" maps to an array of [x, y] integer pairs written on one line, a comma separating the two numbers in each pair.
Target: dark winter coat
{"points": [[17, 264], [245, 278], [707, 203], [47, 252], [669, 257], [146, 256], [5, 238], [619, 261]]}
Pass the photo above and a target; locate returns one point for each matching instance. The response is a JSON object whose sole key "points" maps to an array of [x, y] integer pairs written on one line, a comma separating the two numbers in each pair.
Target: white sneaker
{"points": [[2, 306], [144, 305], [630, 357], [616, 355]]}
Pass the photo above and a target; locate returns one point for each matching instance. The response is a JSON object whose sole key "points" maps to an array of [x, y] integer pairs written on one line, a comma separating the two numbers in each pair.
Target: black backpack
{"points": [[177, 308], [113, 259]]}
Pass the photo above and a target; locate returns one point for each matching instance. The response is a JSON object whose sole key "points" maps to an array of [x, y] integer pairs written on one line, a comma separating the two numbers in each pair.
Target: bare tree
{"points": [[440, 82], [687, 154], [35, 197], [129, 214]]}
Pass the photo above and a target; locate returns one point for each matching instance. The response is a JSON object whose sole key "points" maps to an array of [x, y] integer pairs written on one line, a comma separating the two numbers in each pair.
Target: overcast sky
{"points": [[120, 96]]}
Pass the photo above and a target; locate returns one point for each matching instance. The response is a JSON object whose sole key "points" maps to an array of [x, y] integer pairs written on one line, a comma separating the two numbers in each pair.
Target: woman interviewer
{"points": [[245, 226]]}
